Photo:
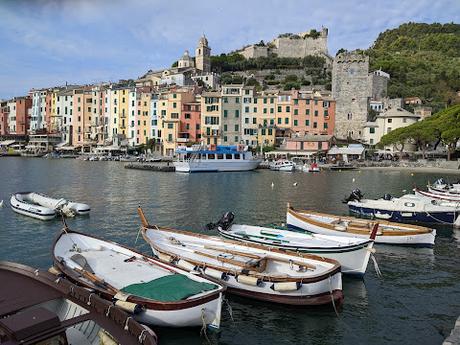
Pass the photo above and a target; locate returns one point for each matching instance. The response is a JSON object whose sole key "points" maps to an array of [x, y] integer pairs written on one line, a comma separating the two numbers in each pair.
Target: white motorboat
{"points": [[447, 196], [352, 253], [43, 207], [20, 203], [282, 165], [387, 232], [247, 269], [407, 208], [168, 296], [215, 159]]}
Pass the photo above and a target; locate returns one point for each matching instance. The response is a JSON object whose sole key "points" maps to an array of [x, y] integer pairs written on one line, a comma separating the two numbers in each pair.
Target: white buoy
{"points": [[273, 185], [294, 184], [404, 191], [353, 180]]}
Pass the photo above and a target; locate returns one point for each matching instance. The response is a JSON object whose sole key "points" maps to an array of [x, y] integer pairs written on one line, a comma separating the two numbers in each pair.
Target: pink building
{"points": [[190, 120], [308, 143], [23, 109], [3, 118]]}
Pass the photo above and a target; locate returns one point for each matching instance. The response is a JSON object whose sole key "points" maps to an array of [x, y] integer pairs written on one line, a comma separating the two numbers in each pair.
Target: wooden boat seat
{"points": [[360, 225]]}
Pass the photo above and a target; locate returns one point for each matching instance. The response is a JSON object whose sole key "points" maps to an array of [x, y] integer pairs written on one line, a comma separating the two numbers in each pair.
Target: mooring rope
{"points": [[332, 297], [376, 266], [203, 328]]}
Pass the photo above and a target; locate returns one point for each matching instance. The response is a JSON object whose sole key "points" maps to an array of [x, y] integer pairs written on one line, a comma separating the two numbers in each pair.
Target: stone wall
{"points": [[350, 88], [300, 47], [254, 52], [378, 85]]}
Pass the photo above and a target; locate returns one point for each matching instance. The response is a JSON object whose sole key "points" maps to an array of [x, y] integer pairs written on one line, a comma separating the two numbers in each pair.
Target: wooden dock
{"points": [[160, 166]]}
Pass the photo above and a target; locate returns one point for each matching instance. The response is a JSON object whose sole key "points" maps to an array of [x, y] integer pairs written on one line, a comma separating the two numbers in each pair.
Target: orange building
{"points": [[190, 123], [81, 117], [23, 109], [312, 112]]}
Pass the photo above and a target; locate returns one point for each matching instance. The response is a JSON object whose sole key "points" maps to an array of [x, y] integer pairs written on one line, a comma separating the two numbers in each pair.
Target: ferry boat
{"points": [[215, 159]]}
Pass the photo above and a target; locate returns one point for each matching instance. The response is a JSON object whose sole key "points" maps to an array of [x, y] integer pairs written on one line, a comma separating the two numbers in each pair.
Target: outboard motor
{"points": [[355, 195], [387, 197], [224, 222]]}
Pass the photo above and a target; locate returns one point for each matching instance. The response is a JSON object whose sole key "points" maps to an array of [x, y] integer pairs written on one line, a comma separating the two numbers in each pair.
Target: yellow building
{"points": [[143, 116], [283, 110], [265, 106]]}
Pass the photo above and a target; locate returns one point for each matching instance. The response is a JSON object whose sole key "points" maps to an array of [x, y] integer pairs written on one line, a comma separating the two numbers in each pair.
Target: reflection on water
{"points": [[418, 298]]}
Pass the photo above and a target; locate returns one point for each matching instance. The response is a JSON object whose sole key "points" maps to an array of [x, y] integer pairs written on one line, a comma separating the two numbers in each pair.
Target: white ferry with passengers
{"points": [[215, 158]]}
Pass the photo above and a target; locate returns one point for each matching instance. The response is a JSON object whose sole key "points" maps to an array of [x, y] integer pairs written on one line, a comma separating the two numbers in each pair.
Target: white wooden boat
{"points": [[168, 296], [41, 206], [39, 308], [352, 253], [388, 232], [249, 270], [20, 203], [282, 165], [434, 194], [311, 168]]}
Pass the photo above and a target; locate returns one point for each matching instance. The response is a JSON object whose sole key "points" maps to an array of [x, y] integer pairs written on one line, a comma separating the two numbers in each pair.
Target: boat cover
{"points": [[169, 288]]}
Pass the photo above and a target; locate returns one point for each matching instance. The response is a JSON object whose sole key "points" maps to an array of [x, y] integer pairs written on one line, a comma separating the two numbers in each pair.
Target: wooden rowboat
{"points": [[249, 270], [157, 293], [37, 307], [387, 232]]}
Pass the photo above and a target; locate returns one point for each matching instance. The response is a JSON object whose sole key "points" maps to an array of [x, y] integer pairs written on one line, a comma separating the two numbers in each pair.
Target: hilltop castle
{"points": [[291, 45]]}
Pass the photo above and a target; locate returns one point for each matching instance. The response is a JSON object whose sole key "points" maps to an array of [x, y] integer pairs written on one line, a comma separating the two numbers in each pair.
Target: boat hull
{"points": [[422, 240], [401, 216], [216, 166]]}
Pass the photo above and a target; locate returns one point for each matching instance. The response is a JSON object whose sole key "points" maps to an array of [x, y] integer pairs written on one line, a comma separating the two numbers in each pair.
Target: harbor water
{"points": [[416, 301]]}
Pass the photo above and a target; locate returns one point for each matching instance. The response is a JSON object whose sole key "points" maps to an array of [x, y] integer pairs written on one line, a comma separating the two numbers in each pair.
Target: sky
{"points": [[45, 43]]}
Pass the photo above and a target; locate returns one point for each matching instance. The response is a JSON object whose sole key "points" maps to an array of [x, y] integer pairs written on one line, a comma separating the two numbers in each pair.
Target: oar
{"points": [[97, 281]]}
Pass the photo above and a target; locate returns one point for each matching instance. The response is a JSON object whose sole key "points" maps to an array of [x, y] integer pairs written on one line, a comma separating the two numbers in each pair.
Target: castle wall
{"points": [[291, 47], [253, 52], [350, 89]]}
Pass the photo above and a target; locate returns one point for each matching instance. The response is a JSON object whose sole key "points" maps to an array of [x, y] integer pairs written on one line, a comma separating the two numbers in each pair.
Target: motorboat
{"points": [[164, 294], [38, 307], [41, 206], [407, 208], [282, 165], [248, 269], [218, 158], [342, 166], [334, 225], [313, 167], [352, 253], [441, 186]]}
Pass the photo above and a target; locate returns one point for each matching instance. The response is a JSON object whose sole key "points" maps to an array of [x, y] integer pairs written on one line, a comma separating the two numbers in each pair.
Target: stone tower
{"points": [[203, 55], [351, 90]]}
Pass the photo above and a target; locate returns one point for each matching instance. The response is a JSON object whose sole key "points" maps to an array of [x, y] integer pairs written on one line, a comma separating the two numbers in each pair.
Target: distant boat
{"points": [[169, 296], [215, 159], [282, 165], [334, 225], [248, 269], [352, 253], [342, 166], [37, 307], [311, 168]]}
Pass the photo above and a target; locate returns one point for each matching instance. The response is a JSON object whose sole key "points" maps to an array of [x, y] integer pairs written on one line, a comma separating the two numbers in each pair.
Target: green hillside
{"points": [[423, 60]]}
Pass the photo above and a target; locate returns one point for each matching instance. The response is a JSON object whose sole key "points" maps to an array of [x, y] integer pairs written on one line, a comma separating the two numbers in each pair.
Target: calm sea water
{"points": [[417, 300]]}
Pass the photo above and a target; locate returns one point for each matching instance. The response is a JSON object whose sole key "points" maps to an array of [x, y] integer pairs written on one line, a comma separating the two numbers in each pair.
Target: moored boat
{"points": [[163, 295], [387, 232], [43, 207], [282, 165], [438, 195], [249, 270], [39, 308], [352, 253], [215, 159], [407, 208], [311, 168], [20, 203]]}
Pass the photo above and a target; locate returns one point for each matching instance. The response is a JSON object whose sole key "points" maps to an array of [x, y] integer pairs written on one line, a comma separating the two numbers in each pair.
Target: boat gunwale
{"points": [[149, 303], [418, 230], [336, 268]]}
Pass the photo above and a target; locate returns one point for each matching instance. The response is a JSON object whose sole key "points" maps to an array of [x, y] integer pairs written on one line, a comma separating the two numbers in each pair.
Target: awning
{"points": [[350, 150], [7, 142], [292, 153]]}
